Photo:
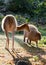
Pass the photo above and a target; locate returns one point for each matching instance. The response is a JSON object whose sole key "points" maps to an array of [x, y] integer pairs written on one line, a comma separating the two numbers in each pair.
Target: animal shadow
{"points": [[19, 60]]}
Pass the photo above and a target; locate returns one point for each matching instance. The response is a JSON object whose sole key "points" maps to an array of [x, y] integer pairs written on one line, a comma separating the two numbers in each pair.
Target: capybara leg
{"points": [[29, 42], [7, 41], [12, 41], [36, 44], [24, 39]]}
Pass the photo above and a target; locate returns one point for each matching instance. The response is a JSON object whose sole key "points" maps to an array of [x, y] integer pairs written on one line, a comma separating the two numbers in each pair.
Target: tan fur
{"points": [[33, 35]]}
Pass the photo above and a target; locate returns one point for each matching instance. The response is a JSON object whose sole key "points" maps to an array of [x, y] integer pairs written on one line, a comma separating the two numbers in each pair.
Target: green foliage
{"points": [[35, 8], [16, 5], [42, 29], [36, 58], [1, 16], [22, 18], [1, 2], [42, 42]]}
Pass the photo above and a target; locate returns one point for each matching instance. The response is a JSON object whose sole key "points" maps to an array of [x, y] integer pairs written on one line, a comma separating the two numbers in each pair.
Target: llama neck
{"points": [[23, 27]]}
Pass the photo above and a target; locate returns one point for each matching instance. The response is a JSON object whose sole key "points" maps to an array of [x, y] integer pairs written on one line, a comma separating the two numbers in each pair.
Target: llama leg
{"points": [[7, 41], [12, 41]]}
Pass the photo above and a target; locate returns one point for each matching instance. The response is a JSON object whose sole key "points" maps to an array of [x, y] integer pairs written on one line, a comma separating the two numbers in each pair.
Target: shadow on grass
{"points": [[31, 49], [19, 59], [42, 60]]}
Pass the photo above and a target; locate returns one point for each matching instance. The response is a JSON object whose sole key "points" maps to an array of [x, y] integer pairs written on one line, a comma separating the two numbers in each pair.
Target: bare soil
{"points": [[35, 56]]}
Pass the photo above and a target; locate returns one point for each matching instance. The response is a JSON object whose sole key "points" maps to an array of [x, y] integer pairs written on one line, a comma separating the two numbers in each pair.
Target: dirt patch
{"points": [[35, 56]]}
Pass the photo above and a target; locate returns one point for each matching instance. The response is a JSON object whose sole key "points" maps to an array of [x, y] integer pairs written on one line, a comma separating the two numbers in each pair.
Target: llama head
{"points": [[27, 27]]}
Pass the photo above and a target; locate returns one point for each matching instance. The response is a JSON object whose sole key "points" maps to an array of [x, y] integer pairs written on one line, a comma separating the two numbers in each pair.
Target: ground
{"points": [[34, 55]]}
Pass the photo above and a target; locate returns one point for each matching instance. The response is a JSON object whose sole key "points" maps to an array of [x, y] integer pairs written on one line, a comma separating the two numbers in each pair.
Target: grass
{"points": [[36, 58], [42, 29], [33, 51], [42, 42]]}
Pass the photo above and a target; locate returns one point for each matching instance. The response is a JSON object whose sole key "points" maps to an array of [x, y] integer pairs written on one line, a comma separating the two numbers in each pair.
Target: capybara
{"points": [[33, 35]]}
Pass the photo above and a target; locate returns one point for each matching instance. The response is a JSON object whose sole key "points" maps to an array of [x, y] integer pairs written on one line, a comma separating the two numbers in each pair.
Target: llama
{"points": [[9, 24], [33, 35]]}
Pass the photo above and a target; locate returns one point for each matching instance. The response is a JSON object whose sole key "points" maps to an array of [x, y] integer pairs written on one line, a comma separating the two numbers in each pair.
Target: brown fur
{"points": [[33, 35], [9, 24], [23, 27]]}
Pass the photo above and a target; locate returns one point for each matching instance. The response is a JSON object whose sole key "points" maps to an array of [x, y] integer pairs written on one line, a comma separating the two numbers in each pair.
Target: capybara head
{"points": [[39, 35]]}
